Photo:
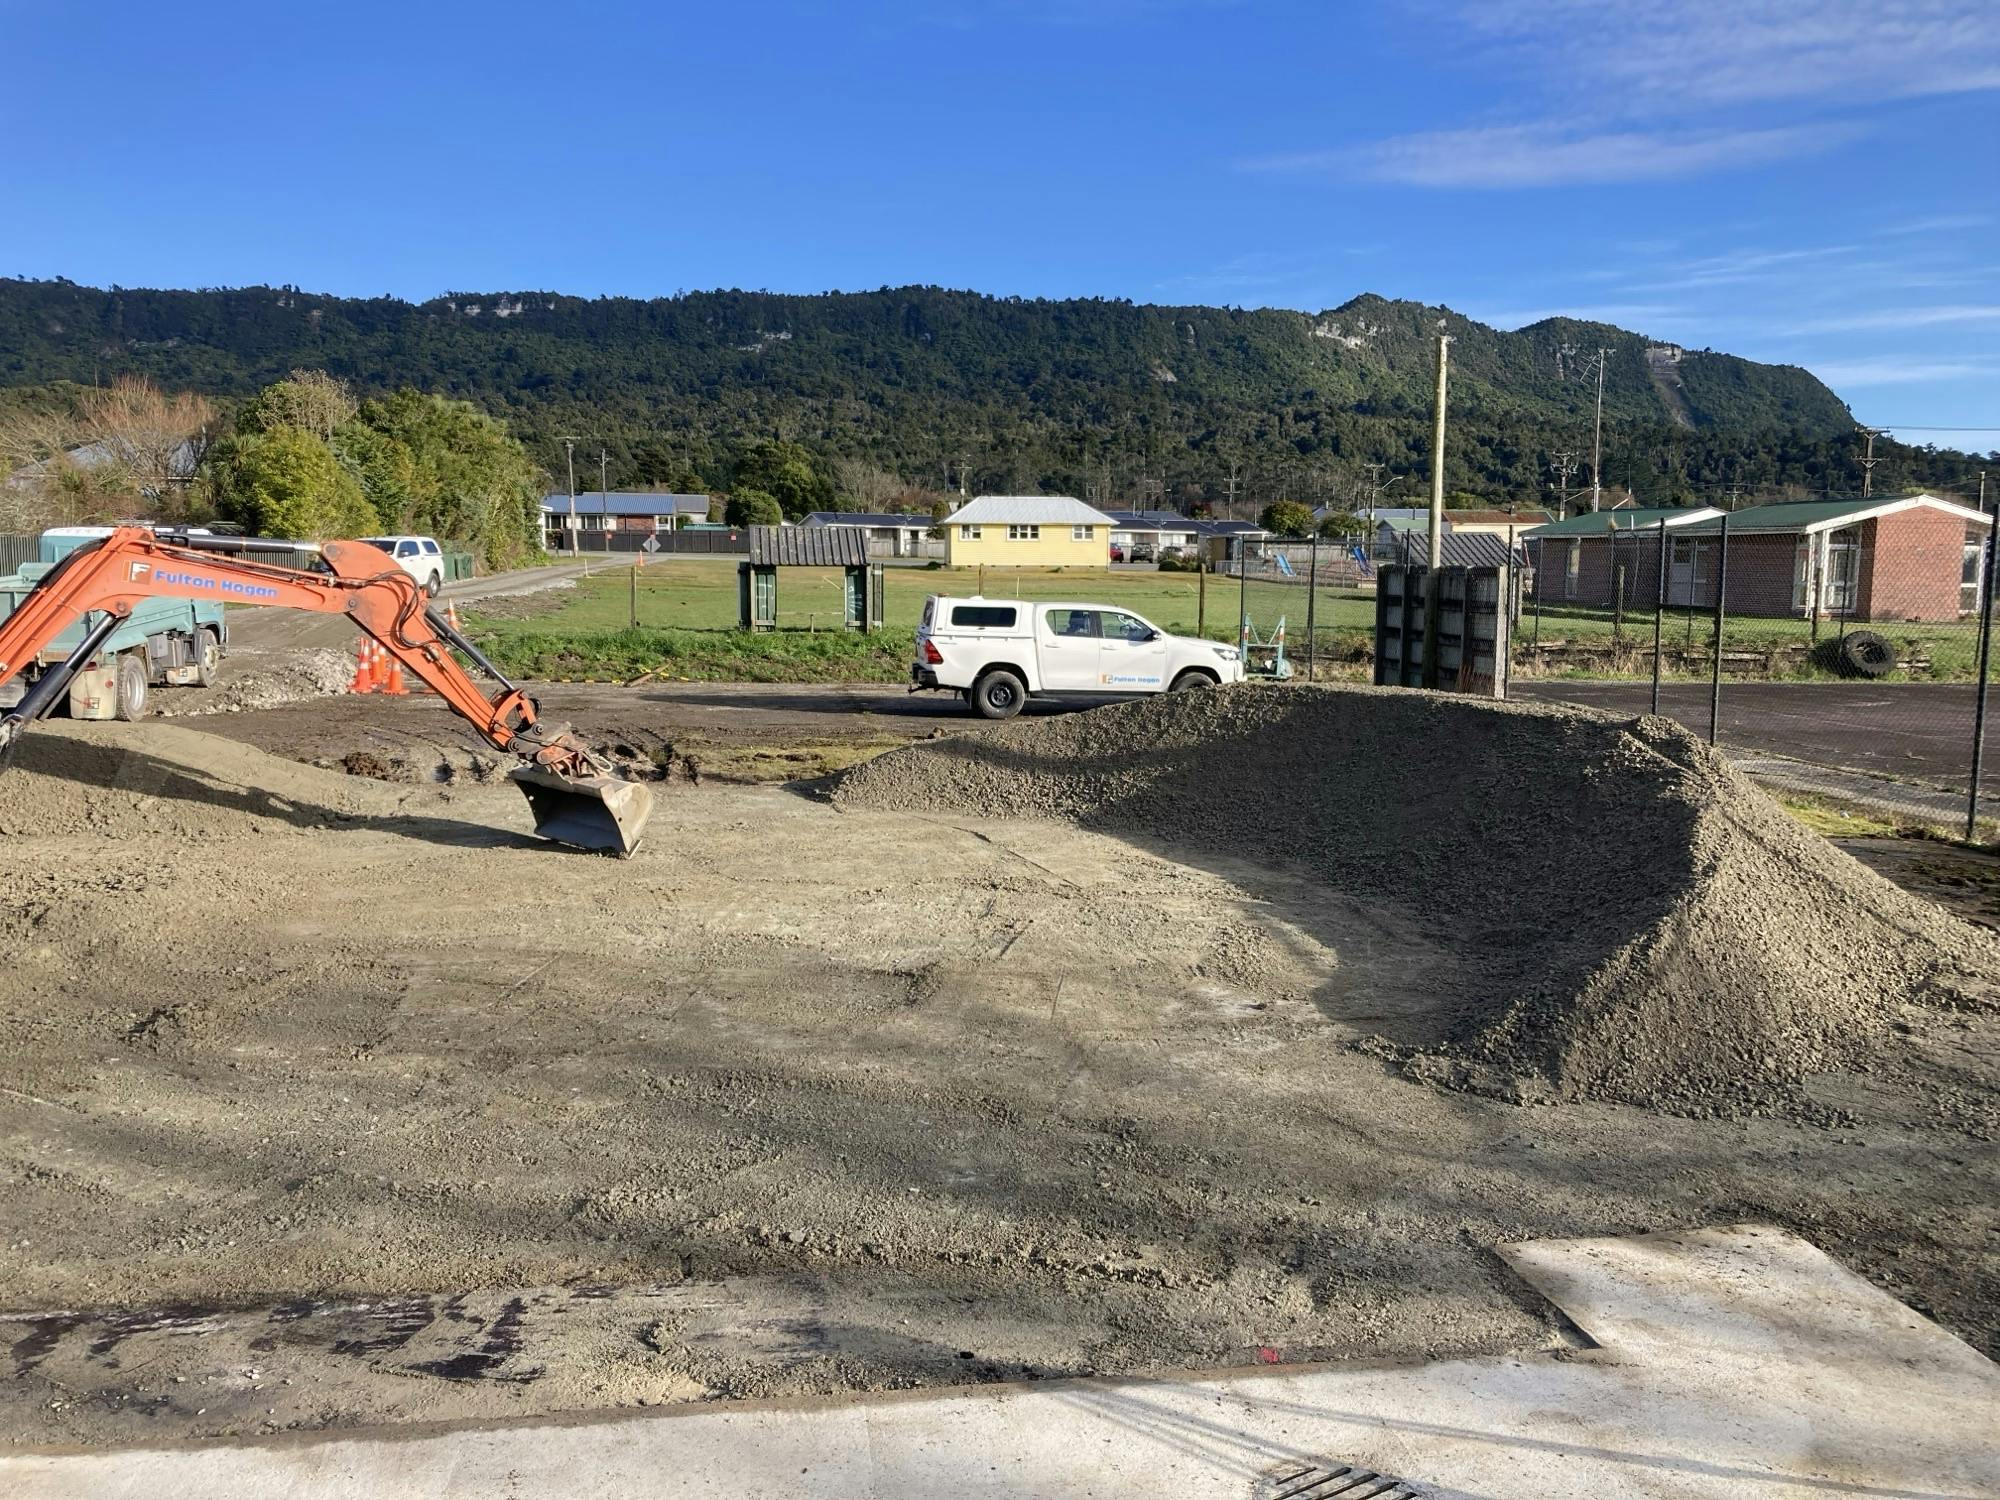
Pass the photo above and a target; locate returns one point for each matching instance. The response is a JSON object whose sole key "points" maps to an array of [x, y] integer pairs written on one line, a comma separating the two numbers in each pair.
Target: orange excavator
{"points": [[574, 795]]}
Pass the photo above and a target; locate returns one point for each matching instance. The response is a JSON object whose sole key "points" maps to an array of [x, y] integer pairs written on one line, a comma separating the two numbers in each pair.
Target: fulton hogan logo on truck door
{"points": [[232, 586]]}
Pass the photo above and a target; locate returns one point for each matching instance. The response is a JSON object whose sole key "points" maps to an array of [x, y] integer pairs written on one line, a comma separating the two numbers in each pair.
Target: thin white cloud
{"points": [[1937, 224], [1645, 52], [1732, 267], [1893, 318], [1531, 156], [1901, 369]]}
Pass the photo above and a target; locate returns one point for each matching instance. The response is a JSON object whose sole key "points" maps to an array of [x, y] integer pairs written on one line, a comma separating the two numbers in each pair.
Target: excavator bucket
{"points": [[590, 812]]}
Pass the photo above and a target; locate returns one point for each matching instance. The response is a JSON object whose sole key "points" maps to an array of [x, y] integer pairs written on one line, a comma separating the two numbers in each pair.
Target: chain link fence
{"points": [[1839, 652]]}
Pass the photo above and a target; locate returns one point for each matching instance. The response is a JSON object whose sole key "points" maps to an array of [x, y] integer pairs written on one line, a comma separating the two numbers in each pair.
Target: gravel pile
{"points": [[301, 675], [1646, 924]]}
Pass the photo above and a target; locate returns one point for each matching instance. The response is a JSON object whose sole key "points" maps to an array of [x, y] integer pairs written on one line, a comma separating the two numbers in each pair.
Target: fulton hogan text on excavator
{"points": [[573, 794]]}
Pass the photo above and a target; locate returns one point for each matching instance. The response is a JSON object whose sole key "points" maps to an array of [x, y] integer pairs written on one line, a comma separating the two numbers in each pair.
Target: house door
{"points": [[1684, 573]]}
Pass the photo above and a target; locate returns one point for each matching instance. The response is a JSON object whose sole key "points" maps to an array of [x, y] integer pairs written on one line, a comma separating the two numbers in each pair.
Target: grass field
{"points": [[686, 610], [1949, 649]]}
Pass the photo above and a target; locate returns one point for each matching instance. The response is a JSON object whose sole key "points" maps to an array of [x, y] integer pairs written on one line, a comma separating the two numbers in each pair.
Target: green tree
{"points": [[286, 482], [788, 474], [1342, 523], [753, 508], [310, 400], [446, 469], [1287, 518]]}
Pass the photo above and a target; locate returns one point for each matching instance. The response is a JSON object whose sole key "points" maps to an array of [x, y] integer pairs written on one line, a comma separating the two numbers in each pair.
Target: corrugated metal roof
{"points": [[1456, 549], [1602, 522], [1026, 510], [865, 518], [808, 546], [629, 503]]}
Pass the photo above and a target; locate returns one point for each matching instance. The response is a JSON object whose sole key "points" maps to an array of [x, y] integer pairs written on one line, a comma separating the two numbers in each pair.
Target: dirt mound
{"points": [[1646, 925], [299, 676], [129, 782]]}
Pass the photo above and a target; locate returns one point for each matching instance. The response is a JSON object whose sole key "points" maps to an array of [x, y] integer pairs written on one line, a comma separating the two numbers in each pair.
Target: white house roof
{"points": [[1810, 517], [629, 503], [1026, 510]]}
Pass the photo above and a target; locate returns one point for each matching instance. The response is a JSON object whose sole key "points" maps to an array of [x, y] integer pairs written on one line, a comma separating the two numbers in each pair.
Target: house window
{"points": [[1972, 570], [1082, 533], [1839, 566], [968, 533], [590, 523], [663, 523], [1572, 569], [1024, 533]]}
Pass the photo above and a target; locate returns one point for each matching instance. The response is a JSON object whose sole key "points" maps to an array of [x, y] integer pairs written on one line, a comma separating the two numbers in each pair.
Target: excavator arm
{"points": [[574, 796]]}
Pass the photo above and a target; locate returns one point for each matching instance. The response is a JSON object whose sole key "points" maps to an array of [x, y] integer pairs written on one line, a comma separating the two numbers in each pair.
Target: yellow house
{"points": [[1027, 531]]}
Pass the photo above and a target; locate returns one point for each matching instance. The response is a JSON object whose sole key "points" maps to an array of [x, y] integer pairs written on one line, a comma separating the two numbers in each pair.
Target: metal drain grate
{"points": [[1326, 1482]]}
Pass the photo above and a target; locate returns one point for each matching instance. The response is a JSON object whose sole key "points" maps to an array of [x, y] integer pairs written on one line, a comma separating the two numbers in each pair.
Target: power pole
{"points": [[1597, 441], [1564, 465], [1437, 462], [604, 478], [1432, 596], [1868, 462], [569, 455]]}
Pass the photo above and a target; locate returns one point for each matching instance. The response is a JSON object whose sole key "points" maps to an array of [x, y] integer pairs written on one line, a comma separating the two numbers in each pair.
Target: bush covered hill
{"points": [[1101, 398]]}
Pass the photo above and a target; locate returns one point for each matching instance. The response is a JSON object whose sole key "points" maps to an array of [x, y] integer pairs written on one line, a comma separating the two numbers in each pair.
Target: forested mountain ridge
{"points": [[1108, 398]]}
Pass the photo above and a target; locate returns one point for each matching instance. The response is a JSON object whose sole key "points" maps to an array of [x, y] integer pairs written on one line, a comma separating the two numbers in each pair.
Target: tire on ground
{"points": [[131, 678], [434, 585], [1863, 653], [999, 694], [207, 656], [1190, 681]]}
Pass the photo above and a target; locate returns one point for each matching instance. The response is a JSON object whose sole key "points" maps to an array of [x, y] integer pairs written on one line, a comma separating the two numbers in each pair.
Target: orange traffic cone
{"points": [[451, 616], [360, 682], [374, 667], [394, 686]]}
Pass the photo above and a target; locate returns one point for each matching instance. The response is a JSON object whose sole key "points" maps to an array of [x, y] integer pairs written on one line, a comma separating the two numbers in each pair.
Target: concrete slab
{"points": [[1729, 1362]]}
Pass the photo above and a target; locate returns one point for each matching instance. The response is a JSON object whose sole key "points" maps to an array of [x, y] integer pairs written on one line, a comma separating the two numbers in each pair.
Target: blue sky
{"points": [[1813, 183]]}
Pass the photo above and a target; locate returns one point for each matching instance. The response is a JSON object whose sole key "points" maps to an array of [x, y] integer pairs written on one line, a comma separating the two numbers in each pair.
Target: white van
{"points": [[998, 652], [419, 556]]}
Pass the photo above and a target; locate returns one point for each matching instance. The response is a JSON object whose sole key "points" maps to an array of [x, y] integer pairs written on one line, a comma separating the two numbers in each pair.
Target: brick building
{"points": [[1910, 557]]}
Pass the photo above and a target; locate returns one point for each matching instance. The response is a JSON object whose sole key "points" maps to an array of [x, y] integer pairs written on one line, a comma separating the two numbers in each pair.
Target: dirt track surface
{"points": [[802, 1097]]}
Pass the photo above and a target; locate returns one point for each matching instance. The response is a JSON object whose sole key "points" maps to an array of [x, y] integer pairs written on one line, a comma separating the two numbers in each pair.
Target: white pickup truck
{"points": [[996, 653]]}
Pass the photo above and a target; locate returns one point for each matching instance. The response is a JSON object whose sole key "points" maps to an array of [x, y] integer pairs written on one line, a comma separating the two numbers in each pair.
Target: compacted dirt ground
{"points": [[329, 1098]]}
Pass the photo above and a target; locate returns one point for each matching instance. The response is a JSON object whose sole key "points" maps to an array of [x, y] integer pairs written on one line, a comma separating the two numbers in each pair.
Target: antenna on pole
{"points": [[1868, 462], [1564, 463]]}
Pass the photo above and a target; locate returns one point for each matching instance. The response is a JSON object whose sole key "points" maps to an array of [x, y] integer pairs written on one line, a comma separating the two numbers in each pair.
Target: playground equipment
{"points": [[1264, 656]]}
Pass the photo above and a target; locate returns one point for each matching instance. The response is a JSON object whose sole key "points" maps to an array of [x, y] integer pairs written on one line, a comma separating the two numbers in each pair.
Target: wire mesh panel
{"points": [[1833, 648]]}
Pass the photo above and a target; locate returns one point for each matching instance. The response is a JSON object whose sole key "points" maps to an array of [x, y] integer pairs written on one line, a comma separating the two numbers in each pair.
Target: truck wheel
{"points": [[131, 685], [434, 585], [999, 695], [1863, 653], [207, 656], [1191, 680]]}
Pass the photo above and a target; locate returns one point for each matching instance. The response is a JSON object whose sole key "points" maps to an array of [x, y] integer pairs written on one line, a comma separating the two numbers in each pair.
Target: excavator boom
{"points": [[573, 794]]}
